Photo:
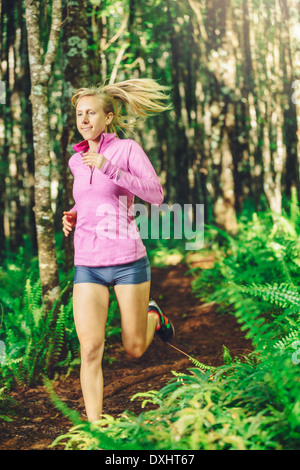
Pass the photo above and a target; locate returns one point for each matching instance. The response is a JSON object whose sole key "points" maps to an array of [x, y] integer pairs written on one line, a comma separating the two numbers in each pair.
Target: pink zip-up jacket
{"points": [[106, 233]]}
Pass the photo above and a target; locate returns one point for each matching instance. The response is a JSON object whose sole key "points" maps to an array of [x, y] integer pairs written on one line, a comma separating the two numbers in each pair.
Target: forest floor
{"points": [[201, 332]]}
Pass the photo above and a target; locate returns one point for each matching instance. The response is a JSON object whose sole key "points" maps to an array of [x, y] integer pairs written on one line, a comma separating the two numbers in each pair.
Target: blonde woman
{"points": [[108, 173]]}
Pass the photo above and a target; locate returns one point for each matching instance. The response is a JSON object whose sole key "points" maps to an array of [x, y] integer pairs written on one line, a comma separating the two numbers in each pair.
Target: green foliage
{"points": [[267, 253], [201, 411], [31, 342], [26, 337], [249, 403], [8, 406]]}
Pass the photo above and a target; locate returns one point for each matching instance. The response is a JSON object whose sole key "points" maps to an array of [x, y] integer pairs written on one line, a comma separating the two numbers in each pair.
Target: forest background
{"points": [[231, 141]]}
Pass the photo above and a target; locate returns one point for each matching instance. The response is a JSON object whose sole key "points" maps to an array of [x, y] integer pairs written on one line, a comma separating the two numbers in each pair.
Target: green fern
{"points": [[30, 342], [57, 341], [227, 356], [287, 340], [282, 295], [149, 397], [202, 366]]}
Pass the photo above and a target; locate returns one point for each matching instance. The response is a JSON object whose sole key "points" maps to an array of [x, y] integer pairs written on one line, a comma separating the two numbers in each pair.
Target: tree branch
{"points": [[34, 54], [53, 41], [197, 10], [41, 72], [117, 35]]}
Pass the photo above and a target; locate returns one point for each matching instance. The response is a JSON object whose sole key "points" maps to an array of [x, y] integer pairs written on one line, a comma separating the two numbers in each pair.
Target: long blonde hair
{"points": [[141, 97]]}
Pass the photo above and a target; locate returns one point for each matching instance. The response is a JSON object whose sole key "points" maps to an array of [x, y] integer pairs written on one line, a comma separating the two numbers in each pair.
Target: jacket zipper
{"points": [[92, 171], [91, 177]]}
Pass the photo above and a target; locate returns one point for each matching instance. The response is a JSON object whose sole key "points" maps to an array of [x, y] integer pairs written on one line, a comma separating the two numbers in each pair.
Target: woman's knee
{"points": [[134, 348], [91, 351]]}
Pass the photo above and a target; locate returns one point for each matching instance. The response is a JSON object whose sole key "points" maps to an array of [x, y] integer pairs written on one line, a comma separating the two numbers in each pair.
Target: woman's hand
{"points": [[93, 159], [68, 221]]}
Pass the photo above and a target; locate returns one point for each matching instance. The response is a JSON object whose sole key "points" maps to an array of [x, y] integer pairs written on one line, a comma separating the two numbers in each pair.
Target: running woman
{"points": [[108, 173]]}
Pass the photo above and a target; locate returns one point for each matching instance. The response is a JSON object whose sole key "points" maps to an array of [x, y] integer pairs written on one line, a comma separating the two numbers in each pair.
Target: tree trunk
{"points": [[293, 16], [182, 150], [289, 108], [40, 75], [5, 134], [76, 74], [274, 152], [252, 95], [223, 129]]}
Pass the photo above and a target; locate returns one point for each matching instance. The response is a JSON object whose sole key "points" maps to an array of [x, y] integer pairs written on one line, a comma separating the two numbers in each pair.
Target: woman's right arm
{"points": [[69, 221], [70, 217]]}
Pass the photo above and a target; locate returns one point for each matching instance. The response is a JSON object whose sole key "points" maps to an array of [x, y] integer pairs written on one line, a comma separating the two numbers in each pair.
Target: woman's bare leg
{"points": [[138, 327], [90, 307]]}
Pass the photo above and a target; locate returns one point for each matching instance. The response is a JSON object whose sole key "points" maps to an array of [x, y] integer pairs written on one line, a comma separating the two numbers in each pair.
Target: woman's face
{"points": [[90, 117]]}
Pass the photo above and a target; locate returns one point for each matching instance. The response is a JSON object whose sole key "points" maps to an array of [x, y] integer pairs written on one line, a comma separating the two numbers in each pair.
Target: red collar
{"points": [[84, 144]]}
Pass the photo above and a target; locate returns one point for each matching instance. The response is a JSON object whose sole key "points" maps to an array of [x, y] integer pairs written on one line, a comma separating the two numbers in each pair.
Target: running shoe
{"points": [[165, 329]]}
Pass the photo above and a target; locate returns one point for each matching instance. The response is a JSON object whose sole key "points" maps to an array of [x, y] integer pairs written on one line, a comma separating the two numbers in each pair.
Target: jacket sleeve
{"points": [[72, 171], [140, 179]]}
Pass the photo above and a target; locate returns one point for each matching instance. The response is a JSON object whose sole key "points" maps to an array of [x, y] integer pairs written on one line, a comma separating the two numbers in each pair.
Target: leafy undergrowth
{"points": [[249, 403]]}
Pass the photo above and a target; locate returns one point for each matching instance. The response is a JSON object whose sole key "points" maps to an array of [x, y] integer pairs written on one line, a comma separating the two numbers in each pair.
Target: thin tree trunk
{"points": [[27, 143], [289, 73], [274, 154], [40, 75], [15, 164], [182, 151], [5, 134], [76, 74], [293, 26], [252, 94], [224, 128]]}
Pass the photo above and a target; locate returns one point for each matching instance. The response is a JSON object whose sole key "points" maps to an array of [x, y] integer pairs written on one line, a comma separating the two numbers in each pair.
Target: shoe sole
{"points": [[168, 340], [173, 328]]}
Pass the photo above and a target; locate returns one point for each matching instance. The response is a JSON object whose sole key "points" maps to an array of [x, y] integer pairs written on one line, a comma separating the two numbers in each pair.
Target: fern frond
{"points": [[202, 366], [282, 295], [149, 397], [57, 340], [227, 356], [284, 342]]}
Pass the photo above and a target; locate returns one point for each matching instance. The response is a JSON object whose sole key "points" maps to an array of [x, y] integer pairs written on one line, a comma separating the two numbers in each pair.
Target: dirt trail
{"points": [[200, 332]]}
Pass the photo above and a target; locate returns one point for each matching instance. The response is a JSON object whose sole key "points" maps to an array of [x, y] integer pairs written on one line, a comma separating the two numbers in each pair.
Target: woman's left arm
{"points": [[141, 178]]}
